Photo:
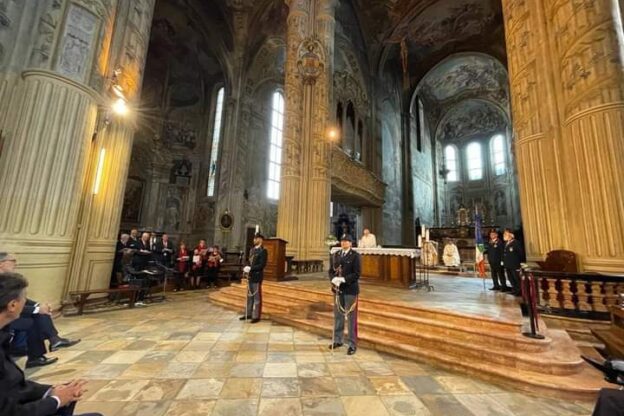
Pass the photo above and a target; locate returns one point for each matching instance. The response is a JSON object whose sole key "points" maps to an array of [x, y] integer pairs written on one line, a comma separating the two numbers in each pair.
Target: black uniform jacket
{"points": [[350, 270], [258, 260], [494, 250], [514, 254], [19, 396], [141, 258], [165, 256]]}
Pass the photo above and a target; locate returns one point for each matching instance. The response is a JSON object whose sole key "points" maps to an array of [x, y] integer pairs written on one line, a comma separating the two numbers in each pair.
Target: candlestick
{"points": [[420, 241], [427, 235]]}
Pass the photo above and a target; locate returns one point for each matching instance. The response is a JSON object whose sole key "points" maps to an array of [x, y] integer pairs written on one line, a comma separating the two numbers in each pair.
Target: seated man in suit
{"points": [[19, 396], [36, 321]]}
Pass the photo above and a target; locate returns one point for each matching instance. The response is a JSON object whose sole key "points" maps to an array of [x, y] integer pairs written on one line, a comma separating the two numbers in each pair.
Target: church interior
{"points": [[152, 151]]}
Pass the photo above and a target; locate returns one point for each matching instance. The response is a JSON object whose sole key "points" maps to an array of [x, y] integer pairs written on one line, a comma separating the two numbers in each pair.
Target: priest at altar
{"points": [[368, 239], [450, 256]]}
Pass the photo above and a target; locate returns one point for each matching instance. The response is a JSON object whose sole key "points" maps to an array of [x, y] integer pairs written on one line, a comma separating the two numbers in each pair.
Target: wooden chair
{"points": [[559, 261]]}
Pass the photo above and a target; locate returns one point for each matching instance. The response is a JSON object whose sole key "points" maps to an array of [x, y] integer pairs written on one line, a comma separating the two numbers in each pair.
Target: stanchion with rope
{"points": [[529, 296]]}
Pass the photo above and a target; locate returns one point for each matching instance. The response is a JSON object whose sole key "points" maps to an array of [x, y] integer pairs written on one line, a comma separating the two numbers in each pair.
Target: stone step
{"points": [[581, 386], [472, 321]]}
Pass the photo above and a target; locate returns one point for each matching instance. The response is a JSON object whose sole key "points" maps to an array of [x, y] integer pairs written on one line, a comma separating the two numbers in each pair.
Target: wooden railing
{"points": [[577, 295]]}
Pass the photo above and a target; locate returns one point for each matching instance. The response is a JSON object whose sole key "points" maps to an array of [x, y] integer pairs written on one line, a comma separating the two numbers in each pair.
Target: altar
{"points": [[388, 266]]}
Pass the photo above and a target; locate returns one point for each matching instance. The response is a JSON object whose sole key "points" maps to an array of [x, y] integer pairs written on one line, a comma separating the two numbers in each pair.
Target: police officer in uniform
{"points": [[344, 273], [494, 249], [512, 257], [255, 275]]}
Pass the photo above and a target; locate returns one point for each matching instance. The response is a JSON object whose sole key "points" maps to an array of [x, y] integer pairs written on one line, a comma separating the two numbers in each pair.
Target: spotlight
{"points": [[332, 133], [120, 107]]}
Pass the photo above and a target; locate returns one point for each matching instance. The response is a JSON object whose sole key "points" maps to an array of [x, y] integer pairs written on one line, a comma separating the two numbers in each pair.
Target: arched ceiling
{"points": [[470, 118]]}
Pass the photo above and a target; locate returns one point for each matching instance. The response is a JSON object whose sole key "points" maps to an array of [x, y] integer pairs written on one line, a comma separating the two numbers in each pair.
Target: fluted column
{"points": [[100, 214], [537, 141], [566, 71], [588, 41], [303, 213]]}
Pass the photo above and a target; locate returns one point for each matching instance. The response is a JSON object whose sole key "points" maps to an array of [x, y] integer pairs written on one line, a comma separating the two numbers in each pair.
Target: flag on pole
{"points": [[479, 246]]}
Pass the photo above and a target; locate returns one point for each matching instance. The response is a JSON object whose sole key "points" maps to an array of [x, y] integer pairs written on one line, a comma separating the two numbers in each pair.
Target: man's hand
{"points": [[337, 281], [45, 309], [70, 392]]}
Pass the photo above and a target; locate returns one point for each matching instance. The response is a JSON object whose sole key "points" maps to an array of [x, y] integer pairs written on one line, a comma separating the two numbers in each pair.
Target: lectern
{"points": [[276, 259]]}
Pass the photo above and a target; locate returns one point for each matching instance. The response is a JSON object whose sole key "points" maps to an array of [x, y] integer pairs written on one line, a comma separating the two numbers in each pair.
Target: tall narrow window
{"points": [[498, 154], [420, 126], [450, 157], [474, 161], [216, 138], [275, 149]]}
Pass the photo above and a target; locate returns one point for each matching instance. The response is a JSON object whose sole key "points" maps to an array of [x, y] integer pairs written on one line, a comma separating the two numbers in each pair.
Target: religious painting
{"points": [[500, 203], [77, 42], [226, 221], [133, 200]]}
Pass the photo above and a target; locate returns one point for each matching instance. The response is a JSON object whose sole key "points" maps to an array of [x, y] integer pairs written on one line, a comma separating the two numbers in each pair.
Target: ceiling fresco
{"points": [[470, 118], [467, 76]]}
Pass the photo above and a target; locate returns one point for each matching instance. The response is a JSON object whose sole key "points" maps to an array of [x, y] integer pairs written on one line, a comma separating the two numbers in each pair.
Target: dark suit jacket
{"points": [[19, 396], [351, 270], [163, 256], [140, 261], [513, 256], [259, 256], [495, 252]]}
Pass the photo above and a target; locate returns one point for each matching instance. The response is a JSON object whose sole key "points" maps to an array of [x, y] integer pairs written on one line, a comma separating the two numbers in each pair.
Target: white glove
{"points": [[246, 269], [337, 281]]}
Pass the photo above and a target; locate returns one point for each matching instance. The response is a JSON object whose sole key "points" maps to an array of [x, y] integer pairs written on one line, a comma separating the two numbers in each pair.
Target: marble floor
{"points": [[190, 357]]}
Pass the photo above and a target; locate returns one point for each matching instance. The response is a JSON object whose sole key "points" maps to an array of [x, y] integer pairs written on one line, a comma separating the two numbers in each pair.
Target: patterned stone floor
{"points": [[189, 357]]}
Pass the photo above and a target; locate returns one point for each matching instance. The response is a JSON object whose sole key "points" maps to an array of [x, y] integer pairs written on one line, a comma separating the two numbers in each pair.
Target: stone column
{"points": [[538, 140], [100, 214], [303, 213], [587, 41], [48, 124], [566, 66]]}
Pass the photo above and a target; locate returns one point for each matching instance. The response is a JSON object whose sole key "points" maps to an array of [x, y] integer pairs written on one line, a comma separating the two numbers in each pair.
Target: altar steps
{"points": [[484, 347]]}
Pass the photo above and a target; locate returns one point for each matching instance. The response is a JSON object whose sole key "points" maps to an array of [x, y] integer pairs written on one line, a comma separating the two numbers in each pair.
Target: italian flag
{"points": [[479, 247]]}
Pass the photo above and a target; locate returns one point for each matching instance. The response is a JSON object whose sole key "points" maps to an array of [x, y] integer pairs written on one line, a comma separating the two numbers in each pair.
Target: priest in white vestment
{"points": [[450, 256], [368, 239]]}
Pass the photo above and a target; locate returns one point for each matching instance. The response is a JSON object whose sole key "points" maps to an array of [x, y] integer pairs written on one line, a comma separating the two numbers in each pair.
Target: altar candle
{"points": [[257, 228], [422, 230], [420, 241], [427, 235]]}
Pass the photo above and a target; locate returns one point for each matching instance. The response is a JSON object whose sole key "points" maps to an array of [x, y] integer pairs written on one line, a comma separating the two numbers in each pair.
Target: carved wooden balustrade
{"points": [[355, 179], [578, 295]]}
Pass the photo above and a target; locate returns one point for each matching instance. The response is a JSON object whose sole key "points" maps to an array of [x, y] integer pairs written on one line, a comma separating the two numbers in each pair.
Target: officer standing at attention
{"points": [[344, 273], [255, 274], [512, 257], [494, 249]]}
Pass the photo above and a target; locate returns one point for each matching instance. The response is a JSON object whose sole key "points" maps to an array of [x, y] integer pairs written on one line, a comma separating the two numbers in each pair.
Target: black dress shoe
{"points": [[63, 343], [40, 361], [506, 289], [494, 288], [255, 321], [351, 350], [335, 345], [244, 318]]}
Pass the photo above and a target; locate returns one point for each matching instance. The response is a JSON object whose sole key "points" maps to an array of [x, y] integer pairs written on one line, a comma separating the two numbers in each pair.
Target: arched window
{"points": [[216, 139], [450, 157], [275, 148], [497, 148], [474, 161]]}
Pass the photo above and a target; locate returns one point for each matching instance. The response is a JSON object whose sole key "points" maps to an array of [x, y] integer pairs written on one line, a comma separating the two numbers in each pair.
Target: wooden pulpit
{"points": [[276, 259]]}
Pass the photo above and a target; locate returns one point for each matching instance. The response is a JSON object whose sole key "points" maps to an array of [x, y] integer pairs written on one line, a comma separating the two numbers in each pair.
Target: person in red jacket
{"points": [[183, 260]]}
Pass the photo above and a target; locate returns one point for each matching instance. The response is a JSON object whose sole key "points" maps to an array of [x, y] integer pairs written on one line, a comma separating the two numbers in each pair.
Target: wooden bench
{"points": [[81, 296], [307, 266], [231, 271]]}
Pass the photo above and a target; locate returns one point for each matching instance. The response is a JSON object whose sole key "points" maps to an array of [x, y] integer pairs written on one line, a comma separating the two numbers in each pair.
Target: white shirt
{"points": [[368, 241]]}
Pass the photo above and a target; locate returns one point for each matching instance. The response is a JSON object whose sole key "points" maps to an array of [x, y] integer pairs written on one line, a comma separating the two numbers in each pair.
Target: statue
{"points": [[450, 256]]}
